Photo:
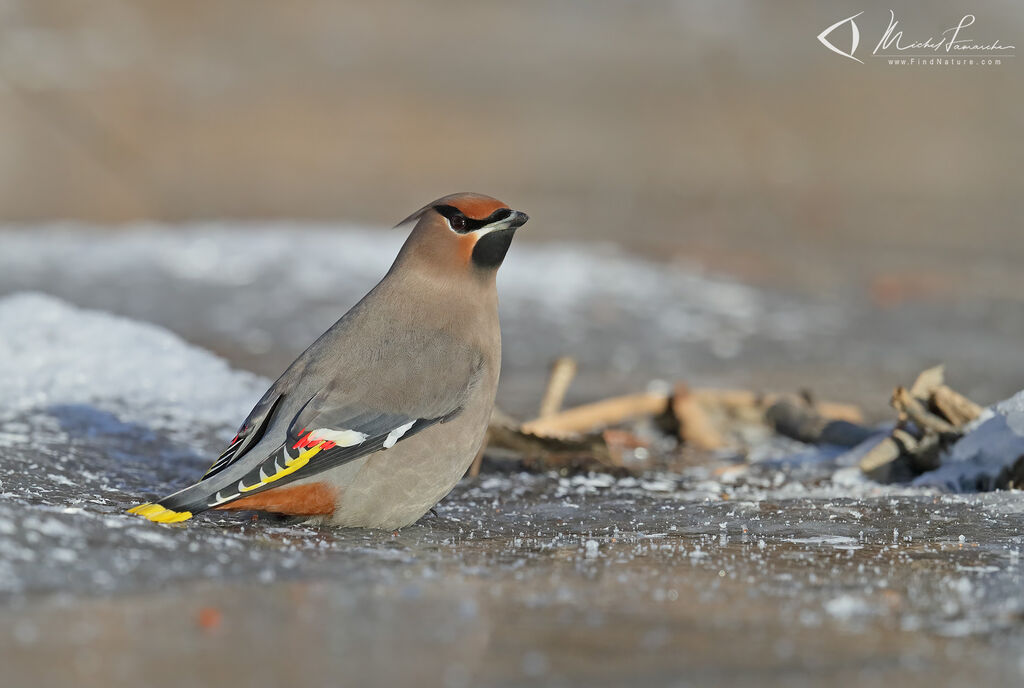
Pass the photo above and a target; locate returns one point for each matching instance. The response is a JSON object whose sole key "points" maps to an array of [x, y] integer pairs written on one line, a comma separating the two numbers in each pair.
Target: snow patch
{"points": [[52, 353]]}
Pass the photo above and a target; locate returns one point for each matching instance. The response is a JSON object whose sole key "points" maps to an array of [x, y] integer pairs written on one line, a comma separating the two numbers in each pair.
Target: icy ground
{"points": [[793, 574]]}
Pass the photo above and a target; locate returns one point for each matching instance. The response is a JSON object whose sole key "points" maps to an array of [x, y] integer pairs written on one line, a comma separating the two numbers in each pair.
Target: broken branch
{"points": [[562, 373]]}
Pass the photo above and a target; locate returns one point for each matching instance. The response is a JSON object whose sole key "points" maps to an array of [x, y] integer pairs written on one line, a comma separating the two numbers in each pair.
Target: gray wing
{"points": [[362, 406], [342, 431], [250, 432], [324, 434]]}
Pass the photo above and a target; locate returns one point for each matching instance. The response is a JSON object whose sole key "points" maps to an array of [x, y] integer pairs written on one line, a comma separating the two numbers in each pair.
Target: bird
{"points": [[383, 414]]}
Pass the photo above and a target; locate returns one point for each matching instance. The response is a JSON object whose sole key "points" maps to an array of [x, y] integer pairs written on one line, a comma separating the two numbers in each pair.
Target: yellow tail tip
{"points": [[159, 514], [168, 516]]}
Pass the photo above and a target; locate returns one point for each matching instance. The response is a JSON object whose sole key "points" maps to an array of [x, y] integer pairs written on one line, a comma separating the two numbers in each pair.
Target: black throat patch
{"points": [[491, 248]]}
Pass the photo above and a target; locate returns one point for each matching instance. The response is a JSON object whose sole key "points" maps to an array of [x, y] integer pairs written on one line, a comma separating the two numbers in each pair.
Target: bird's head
{"points": [[465, 230]]}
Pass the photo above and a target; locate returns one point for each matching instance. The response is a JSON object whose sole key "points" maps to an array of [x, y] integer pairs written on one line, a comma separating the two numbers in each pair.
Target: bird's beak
{"points": [[513, 220], [518, 219]]}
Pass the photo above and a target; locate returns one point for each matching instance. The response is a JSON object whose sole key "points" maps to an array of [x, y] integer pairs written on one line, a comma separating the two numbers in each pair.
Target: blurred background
{"points": [[719, 138]]}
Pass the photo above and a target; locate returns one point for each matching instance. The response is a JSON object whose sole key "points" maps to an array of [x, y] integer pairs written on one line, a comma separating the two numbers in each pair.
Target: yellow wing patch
{"points": [[291, 465]]}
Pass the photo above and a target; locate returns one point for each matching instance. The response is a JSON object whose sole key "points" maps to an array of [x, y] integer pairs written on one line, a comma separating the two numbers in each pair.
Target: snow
{"points": [[53, 354]]}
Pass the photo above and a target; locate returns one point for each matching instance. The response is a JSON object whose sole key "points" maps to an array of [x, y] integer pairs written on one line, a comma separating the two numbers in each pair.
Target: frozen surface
{"points": [[781, 575]]}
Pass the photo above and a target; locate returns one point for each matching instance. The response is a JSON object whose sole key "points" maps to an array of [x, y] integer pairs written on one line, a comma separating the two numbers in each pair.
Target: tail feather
{"points": [[159, 514], [227, 486], [180, 506]]}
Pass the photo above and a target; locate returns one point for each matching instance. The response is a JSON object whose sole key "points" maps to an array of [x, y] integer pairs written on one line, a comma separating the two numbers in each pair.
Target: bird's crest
{"points": [[473, 205]]}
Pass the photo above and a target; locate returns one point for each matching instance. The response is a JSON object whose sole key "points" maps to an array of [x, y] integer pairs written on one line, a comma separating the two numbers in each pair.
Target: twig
{"points": [[928, 381], [881, 455], [913, 409], [598, 415], [587, 452], [695, 427], [746, 403], [562, 373], [957, 408], [474, 468], [938, 414]]}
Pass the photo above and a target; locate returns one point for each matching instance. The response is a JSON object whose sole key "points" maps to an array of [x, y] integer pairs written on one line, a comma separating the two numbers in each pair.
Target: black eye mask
{"points": [[450, 212]]}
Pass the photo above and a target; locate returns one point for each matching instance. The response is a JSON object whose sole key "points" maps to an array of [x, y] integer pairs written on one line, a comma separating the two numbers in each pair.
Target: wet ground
{"points": [[795, 572], [673, 580]]}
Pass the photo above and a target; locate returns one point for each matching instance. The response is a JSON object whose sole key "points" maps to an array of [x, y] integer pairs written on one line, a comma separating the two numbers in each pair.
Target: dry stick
{"points": [[474, 468], [928, 381], [882, 454], [562, 373], [566, 438], [907, 405], [598, 415], [695, 427], [618, 409], [500, 421], [922, 452], [745, 401], [954, 406], [938, 411], [591, 451], [581, 451]]}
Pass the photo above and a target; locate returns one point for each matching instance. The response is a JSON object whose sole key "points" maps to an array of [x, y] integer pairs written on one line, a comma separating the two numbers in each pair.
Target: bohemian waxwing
{"points": [[376, 421]]}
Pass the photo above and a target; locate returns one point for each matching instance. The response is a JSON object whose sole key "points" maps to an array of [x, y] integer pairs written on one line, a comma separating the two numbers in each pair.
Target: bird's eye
{"points": [[458, 222]]}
